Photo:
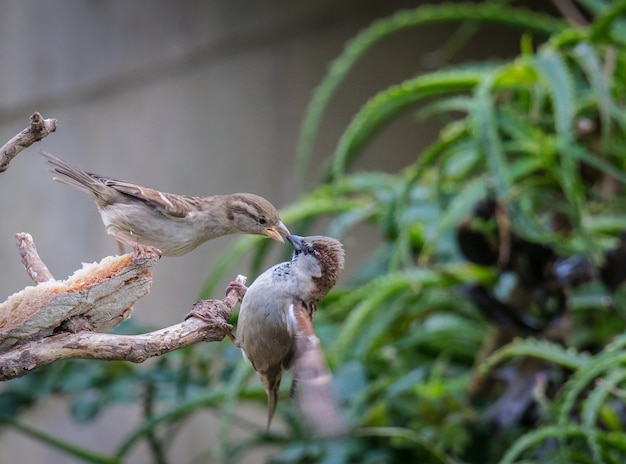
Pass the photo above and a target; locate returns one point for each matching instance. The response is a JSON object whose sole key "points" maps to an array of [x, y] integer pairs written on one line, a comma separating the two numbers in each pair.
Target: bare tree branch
{"points": [[39, 128], [57, 320], [109, 347], [98, 297], [35, 267]]}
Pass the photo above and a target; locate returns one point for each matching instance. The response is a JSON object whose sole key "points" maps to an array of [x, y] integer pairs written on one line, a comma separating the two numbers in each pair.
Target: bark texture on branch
{"points": [[38, 129], [100, 296], [109, 347]]}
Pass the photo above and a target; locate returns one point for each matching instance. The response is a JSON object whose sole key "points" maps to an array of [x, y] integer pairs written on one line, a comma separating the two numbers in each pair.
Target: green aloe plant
{"points": [[540, 138]]}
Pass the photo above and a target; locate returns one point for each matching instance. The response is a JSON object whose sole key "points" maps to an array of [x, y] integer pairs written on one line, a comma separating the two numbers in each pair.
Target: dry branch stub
{"points": [[38, 129]]}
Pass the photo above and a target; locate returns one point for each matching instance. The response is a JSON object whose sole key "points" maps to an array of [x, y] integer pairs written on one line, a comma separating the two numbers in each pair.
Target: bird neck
{"points": [[217, 219]]}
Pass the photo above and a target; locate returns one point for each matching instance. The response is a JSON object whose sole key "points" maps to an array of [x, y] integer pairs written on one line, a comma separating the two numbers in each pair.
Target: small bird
{"points": [[269, 323], [174, 224]]}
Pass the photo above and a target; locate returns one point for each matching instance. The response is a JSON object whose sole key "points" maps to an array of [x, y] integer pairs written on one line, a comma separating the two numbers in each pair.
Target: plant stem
{"points": [[155, 445], [61, 445]]}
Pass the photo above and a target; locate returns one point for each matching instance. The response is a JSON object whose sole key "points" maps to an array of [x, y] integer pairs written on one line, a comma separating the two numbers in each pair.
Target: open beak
{"points": [[274, 232]]}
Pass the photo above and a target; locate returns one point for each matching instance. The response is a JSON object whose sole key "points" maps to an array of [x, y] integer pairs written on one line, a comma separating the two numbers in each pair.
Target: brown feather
{"points": [[175, 224]]}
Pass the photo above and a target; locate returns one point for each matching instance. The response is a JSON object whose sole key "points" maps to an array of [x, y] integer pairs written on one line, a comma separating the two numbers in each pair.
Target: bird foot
{"points": [[237, 287], [143, 254], [202, 310]]}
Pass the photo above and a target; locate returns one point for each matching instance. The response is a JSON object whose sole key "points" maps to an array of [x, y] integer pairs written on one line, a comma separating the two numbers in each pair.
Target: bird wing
{"points": [[176, 206], [316, 397]]}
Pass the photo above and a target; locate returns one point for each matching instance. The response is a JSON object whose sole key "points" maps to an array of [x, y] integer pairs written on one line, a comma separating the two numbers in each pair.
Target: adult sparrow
{"points": [[174, 224], [277, 311]]}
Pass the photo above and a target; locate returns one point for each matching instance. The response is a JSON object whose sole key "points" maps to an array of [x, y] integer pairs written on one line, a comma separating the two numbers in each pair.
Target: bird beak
{"points": [[274, 232], [296, 242]]}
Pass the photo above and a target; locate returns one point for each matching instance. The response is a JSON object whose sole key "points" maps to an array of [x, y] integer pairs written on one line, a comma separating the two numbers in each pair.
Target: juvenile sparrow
{"points": [[270, 318], [174, 224]]}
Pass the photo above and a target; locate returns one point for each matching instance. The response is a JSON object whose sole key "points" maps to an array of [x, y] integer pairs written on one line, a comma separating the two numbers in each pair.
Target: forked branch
{"points": [[58, 320]]}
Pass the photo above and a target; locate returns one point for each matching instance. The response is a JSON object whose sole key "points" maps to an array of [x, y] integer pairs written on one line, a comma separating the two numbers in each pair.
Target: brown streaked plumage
{"points": [[174, 224], [268, 324]]}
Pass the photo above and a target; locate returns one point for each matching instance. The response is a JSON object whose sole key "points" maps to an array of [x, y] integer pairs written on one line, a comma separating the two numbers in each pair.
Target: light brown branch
{"points": [[35, 267], [100, 296], [108, 347], [569, 11], [38, 129], [504, 235]]}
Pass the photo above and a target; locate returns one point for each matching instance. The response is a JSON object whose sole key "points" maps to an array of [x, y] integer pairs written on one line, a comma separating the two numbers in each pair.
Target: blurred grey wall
{"points": [[196, 97]]}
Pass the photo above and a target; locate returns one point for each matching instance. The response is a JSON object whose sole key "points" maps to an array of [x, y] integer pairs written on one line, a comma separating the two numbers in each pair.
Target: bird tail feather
{"points": [[75, 177], [271, 383]]}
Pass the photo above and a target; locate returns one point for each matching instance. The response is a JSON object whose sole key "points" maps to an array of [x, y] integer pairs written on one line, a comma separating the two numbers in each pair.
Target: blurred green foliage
{"points": [[486, 326]]}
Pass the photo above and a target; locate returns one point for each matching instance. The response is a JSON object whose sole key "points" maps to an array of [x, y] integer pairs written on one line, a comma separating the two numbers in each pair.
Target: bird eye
{"points": [[262, 221]]}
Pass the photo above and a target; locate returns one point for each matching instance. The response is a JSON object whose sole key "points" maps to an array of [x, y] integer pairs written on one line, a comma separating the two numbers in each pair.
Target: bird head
{"points": [[320, 257], [252, 214]]}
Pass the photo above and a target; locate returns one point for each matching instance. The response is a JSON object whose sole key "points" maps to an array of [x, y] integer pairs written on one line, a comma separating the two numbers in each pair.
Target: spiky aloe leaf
{"points": [[551, 352], [379, 30]]}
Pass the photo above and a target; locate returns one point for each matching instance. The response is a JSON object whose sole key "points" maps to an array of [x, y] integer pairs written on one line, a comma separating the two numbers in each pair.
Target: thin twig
{"points": [[38, 129], [155, 444], [504, 235], [618, 392], [35, 267], [569, 11], [610, 60]]}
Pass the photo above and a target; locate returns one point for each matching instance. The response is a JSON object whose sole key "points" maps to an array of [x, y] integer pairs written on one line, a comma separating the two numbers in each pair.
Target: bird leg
{"points": [[141, 253], [238, 287], [210, 311], [204, 310]]}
